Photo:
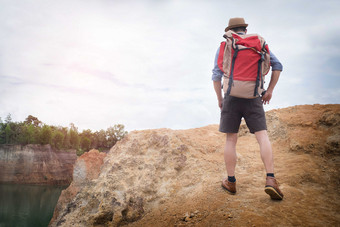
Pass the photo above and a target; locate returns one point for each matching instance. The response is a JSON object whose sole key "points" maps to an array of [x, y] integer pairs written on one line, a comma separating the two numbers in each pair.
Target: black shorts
{"points": [[234, 109]]}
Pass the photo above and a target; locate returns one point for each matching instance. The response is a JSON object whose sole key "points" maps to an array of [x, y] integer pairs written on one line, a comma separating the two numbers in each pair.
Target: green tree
{"points": [[32, 120], [58, 139], [100, 139], [67, 143], [74, 137], [30, 137], [20, 131], [85, 143], [2, 133], [45, 135], [114, 134], [86, 133], [8, 119], [32, 131], [8, 134]]}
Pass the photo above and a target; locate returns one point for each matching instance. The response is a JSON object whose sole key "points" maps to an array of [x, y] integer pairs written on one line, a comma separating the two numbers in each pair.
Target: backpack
{"points": [[244, 60]]}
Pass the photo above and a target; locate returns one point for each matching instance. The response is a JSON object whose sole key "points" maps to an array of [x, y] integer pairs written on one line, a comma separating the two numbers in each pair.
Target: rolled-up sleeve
{"points": [[216, 72], [275, 63]]}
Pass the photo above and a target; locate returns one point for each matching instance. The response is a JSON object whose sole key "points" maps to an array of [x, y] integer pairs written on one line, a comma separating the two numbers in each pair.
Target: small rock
{"points": [[230, 216], [197, 211], [186, 216], [192, 215], [187, 219]]}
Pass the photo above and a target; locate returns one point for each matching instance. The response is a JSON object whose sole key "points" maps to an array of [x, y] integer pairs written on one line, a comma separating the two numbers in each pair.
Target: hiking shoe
{"points": [[229, 186], [272, 189]]}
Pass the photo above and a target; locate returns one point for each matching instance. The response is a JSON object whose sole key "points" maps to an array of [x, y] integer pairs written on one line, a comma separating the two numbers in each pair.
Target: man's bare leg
{"points": [[230, 153], [272, 187], [229, 183], [265, 150]]}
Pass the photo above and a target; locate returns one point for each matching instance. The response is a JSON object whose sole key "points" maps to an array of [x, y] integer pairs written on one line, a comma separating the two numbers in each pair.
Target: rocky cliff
{"points": [[35, 164], [169, 177]]}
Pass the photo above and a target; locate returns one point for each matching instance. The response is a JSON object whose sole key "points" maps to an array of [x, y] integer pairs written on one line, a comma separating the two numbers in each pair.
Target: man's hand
{"points": [[266, 97], [273, 80], [217, 87], [220, 103]]}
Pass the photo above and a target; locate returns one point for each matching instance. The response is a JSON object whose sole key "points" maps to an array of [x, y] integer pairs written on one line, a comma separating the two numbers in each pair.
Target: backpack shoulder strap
{"points": [[266, 52], [231, 76]]}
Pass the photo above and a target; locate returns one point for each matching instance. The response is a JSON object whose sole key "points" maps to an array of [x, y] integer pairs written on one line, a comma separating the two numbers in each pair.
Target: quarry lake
{"points": [[27, 205]]}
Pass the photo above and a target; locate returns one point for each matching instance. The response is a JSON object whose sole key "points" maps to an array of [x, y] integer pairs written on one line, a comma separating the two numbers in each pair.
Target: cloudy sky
{"points": [[147, 63]]}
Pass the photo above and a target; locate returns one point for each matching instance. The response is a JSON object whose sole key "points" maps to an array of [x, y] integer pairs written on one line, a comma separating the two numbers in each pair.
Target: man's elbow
{"points": [[216, 78], [277, 67]]}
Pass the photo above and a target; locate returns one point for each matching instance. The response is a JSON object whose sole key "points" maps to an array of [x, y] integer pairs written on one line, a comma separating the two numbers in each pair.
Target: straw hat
{"points": [[236, 22]]}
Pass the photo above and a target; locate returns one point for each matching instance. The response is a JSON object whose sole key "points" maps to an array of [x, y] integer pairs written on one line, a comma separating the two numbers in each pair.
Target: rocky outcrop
{"points": [[35, 164], [143, 170], [86, 169], [169, 177]]}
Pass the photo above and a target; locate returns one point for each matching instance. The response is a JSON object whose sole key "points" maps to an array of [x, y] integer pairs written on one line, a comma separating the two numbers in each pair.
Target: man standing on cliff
{"points": [[243, 60]]}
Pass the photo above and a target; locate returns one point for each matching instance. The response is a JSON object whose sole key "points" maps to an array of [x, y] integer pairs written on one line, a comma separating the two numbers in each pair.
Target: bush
{"points": [[80, 152]]}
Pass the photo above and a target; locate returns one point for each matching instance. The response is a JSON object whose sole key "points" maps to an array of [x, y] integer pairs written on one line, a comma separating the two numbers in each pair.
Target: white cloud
{"points": [[147, 64]]}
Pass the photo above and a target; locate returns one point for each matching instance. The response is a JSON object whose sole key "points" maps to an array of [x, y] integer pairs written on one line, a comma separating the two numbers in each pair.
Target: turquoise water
{"points": [[27, 205]]}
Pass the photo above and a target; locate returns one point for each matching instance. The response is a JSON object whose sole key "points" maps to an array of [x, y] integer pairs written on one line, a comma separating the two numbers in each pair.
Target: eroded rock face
{"points": [[86, 169], [35, 164], [156, 177]]}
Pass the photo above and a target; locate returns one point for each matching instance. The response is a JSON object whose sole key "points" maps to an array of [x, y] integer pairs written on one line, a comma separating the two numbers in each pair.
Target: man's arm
{"points": [[273, 81], [216, 77], [276, 71], [218, 90]]}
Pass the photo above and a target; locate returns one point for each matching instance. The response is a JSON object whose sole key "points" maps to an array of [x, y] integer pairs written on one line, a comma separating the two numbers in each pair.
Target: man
{"points": [[251, 109]]}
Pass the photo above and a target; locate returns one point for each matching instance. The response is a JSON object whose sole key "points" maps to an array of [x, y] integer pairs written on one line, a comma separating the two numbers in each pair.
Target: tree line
{"points": [[33, 131]]}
